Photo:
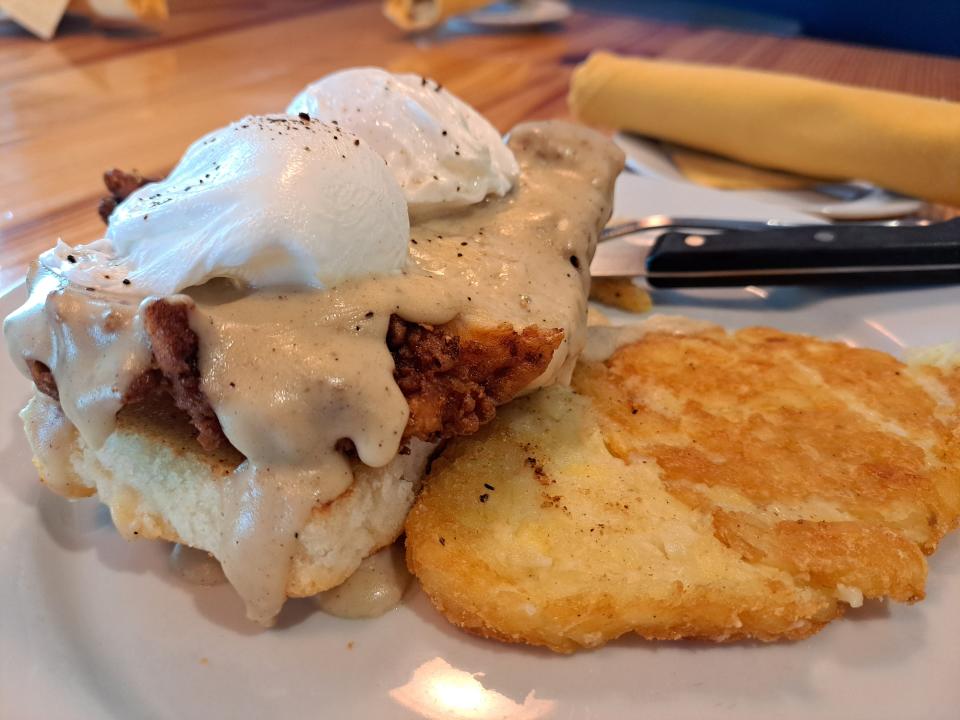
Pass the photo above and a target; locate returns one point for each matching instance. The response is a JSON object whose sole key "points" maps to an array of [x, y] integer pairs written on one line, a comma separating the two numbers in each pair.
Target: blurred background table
{"points": [[98, 97]]}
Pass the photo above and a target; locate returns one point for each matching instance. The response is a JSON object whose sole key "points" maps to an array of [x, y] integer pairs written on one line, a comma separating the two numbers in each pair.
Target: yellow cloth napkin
{"points": [[821, 129], [421, 14]]}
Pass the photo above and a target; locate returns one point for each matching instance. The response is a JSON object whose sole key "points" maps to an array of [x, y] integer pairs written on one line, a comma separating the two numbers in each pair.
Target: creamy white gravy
{"points": [[291, 372], [377, 586], [197, 567], [92, 342]]}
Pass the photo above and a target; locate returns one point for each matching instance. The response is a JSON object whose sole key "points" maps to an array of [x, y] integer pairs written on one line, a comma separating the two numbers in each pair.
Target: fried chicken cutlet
{"points": [[326, 402], [704, 485]]}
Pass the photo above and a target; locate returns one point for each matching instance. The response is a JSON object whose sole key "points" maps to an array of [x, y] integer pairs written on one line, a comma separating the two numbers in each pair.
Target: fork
{"points": [[666, 222]]}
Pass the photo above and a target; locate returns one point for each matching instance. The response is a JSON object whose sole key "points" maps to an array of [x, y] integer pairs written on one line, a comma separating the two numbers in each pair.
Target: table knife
{"points": [[789, 255]]}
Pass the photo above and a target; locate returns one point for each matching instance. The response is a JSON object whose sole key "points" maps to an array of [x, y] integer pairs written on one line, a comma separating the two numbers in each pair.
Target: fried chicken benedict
{"points": [[262, 353]]}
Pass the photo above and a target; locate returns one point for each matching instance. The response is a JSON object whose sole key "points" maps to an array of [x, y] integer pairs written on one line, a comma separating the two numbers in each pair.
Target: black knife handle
{"points": [[808, 254]]}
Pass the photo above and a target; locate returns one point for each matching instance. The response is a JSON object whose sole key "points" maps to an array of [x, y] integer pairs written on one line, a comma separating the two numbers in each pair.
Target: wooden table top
{"points": [[95, 98]]}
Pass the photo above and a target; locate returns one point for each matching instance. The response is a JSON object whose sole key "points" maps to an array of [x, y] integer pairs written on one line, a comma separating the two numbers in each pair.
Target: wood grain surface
{"points": [[101, 96]]}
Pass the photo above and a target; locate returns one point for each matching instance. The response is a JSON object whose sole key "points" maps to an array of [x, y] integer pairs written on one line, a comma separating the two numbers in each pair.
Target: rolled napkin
{"points": [[422, 14], [784, 122]]}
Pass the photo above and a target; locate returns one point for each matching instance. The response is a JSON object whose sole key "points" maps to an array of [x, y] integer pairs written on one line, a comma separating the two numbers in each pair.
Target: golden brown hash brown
{"points": [[716, 486]]}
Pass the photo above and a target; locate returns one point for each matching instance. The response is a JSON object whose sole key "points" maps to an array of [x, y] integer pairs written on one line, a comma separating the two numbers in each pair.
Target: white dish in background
{"points": [[94, 627], [854, 200], [520, 14], [639, 196]]}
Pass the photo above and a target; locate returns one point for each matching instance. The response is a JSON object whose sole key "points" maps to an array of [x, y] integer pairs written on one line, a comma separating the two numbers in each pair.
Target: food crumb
{"points": [[204, 661], [620, 293], [350, 645]]}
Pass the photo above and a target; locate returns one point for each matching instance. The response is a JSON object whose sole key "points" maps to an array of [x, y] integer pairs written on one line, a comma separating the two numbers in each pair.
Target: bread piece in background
{"points": [[42, 17], [423, 14]]}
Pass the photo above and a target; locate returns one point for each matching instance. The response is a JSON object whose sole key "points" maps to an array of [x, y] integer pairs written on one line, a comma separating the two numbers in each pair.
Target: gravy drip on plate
{"points": [[377, 586], [290, 373], [196, 567]]}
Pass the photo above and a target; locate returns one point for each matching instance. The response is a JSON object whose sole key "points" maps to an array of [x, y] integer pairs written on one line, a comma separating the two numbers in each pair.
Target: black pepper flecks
{"points": [[356, 142], [126, 281], [71, 258], [575, 261], [484, 497], [368, 314], [303, 116], [488, 486]]}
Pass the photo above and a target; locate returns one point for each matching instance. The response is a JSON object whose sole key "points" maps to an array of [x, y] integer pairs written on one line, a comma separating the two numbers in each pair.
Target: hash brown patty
{"points": [[710, 485]]}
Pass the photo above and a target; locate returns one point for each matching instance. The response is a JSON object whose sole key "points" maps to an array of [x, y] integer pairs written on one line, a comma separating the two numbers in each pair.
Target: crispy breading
{"points": [[454, 378], [717, 486], [120, 185]]}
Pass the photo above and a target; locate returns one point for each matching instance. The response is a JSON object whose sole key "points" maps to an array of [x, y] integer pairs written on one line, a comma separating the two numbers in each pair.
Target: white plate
{"points": [[94, 627], [647, 158]]}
